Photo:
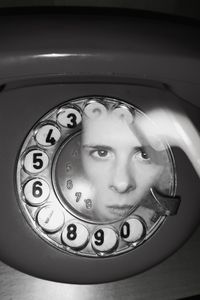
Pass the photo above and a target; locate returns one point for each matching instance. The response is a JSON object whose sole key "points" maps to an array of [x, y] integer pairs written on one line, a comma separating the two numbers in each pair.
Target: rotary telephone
{"points": [[100, 167]]}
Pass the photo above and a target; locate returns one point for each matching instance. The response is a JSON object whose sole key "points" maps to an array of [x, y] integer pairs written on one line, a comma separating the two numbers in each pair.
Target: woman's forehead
{"points": [[109, 130]]}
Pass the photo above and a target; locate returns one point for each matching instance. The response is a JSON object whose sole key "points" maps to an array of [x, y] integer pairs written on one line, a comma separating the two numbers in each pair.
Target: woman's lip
{"points": [[120, 206], [119, 210]]}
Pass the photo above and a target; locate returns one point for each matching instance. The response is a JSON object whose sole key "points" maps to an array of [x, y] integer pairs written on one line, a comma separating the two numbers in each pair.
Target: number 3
{"points": [[69, 117], [72, 118]]}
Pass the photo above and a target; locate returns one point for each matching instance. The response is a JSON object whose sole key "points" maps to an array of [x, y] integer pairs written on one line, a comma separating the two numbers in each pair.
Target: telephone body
{"points": [[75, 90]]}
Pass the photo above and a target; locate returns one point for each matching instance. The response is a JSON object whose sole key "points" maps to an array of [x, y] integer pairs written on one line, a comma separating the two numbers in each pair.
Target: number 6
{"points": [[37, 190]]}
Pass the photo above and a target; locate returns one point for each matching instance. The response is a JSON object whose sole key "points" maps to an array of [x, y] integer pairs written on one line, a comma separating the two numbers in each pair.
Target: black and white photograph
{"points": [[100, 150]]}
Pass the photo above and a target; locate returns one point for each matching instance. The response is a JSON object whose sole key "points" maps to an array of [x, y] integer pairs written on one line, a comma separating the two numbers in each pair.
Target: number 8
{"points": [[71, 232]]}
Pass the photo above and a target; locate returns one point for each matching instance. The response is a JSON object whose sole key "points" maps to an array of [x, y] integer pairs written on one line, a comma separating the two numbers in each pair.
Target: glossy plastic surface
{"points": [[31, 252]]}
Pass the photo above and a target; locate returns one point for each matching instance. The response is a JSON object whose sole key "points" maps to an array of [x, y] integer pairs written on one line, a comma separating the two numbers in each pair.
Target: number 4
{"points": [[50, 139]]}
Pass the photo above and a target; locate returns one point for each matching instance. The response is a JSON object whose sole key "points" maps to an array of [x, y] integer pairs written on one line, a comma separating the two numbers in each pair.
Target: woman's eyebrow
{"points": [[97, 147], [148, 148]]}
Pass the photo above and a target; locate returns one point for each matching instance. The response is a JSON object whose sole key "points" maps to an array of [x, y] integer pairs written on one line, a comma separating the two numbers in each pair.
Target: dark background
{"points": [[187, 8]]}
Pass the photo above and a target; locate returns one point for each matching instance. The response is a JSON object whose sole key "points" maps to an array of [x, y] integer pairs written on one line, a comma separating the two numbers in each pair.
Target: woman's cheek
{"points": [[149, 175], [156, 172], [99, 175], [94, 171], [89, 165]]}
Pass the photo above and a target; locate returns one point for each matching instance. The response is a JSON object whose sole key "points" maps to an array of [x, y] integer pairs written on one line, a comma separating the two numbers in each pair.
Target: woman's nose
{"points": [[122, 182]]}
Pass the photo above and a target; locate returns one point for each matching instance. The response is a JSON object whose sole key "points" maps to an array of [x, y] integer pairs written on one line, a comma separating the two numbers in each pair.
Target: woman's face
{"points": [[120, 169]]}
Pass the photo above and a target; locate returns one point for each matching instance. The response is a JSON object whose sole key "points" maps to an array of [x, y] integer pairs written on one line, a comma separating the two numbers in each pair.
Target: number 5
{"points": [[37, 161]]}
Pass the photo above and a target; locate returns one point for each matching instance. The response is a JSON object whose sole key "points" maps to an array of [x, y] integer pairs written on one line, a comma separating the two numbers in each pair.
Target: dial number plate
{"points": [[75, 235], [132, 230], [36, 191], [47, 135], [69, 118], [35, 161], [50, 218], [71, 188], [104, 240]]}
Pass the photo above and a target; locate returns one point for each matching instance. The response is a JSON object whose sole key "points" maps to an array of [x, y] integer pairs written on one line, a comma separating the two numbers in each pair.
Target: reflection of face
{"points": [[116, 164]]}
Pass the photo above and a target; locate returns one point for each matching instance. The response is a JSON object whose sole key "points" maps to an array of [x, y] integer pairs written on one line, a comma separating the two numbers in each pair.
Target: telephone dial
{"points": [[100, 167]]}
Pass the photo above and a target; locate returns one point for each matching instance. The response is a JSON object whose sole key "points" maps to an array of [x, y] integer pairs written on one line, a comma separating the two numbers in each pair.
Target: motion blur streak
{"points": [[176, 129]]}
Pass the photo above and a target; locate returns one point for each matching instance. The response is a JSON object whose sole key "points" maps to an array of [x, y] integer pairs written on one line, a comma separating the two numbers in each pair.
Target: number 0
{"points": [[125, 231]]}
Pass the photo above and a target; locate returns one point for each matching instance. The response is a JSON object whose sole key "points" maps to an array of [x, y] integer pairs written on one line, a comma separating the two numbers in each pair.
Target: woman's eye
{"points": [[141, 155], [101, 154]]}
